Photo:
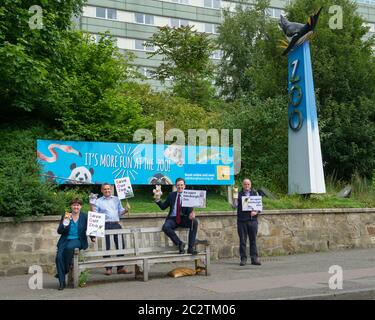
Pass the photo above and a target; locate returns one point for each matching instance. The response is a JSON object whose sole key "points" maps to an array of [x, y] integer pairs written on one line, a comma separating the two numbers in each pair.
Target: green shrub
{"points": [[264, 140], [22, 192]]}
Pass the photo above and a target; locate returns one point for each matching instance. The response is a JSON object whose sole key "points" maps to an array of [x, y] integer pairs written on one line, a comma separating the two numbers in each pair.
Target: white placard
{"points": [[194, 198], [95, 224], [252, 203], [124, 188]]}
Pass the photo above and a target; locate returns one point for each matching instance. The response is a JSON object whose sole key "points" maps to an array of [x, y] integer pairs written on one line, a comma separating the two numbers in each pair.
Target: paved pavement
{"points": [[303, 276]]}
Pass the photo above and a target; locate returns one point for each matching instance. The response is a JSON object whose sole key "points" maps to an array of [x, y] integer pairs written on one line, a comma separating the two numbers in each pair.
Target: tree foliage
{"points": [[264, 139], [252, 63], [185, 55], [344, 74]]}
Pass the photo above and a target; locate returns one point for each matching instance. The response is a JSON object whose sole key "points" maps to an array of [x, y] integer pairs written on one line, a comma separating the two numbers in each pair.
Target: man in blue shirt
{"points": [[112, 208]]}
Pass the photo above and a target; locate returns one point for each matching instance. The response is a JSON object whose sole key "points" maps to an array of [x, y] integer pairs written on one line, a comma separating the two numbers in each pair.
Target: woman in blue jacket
{"points": [[72, 228]]}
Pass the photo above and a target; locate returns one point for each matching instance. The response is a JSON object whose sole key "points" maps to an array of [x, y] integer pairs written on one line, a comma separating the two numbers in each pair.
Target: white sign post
{"points": [[124, 188], [252, 203], [95, 224], [194, 198]]}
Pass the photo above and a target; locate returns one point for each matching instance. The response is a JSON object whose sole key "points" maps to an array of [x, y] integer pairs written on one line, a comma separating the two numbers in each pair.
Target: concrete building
{"points": [[132, 22]]}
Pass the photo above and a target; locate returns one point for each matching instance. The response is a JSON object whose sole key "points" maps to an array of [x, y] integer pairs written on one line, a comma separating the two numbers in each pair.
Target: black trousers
{"points": [[248, 229], [112, 226], [170, 225]]}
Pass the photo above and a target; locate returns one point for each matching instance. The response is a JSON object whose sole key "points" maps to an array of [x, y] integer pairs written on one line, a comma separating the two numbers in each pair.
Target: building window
{"points": [[181, 1], [111, 14], [274, 12], [106, 13], [147, 72], [177, 23], [144, 18], [101, 13], [215, 4], [140, 45], [371, 26], [211, 28], [217, 55]]}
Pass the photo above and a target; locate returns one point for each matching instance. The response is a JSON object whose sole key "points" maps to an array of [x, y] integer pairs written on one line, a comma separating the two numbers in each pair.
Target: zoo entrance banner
{"points": [[82, 162]]}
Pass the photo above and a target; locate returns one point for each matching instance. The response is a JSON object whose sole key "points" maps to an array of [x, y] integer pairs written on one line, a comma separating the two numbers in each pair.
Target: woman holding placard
{"points": [[72, 228]]}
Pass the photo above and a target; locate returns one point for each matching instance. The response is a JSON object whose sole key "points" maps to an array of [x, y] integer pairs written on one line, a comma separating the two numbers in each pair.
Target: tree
{"points": [[62, 76], [343, 60], [26, 52], [185, 55], [264, 137], [348, 138], [252, 63], [86, 94], [344, 75]]}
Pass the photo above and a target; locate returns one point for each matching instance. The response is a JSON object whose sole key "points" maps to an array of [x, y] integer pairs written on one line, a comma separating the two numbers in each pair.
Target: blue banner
{"points": [[81, 162]]}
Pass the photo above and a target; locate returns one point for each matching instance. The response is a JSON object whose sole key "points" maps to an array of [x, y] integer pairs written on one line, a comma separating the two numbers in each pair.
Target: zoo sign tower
{"points": [[305, 167]]}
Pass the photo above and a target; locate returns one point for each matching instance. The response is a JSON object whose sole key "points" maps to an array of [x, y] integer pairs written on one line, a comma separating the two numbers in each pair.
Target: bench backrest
{"points": [[137, 241]]}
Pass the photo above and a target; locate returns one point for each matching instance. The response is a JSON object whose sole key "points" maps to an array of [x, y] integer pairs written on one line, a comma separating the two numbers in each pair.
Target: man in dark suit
{"points": [[178, 216], [247, 224]]}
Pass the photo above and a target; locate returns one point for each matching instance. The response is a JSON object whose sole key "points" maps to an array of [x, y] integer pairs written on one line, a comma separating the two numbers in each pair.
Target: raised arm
{"points": [[164, 205], [235, 198], [61, 228]]}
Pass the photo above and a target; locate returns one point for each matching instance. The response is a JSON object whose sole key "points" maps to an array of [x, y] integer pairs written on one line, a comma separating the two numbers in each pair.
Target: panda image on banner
{"points": [[80, 175]]}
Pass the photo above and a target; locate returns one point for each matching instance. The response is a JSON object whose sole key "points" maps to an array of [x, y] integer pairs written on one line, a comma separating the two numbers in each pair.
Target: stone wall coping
{"points": [[162, 215]]}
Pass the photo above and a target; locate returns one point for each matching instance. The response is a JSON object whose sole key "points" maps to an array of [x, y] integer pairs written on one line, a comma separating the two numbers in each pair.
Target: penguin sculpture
{"points": [[296, 33]]}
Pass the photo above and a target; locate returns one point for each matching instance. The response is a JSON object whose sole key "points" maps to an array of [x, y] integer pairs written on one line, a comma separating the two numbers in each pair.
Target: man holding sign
{"points": [[178, 216], [248, 207], [112, 208]]}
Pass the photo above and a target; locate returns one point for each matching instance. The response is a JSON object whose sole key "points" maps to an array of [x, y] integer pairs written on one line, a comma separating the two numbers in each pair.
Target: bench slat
{"points": [[120, 240], [103, 243], [136, 245], [108, 253], [118, 231]]}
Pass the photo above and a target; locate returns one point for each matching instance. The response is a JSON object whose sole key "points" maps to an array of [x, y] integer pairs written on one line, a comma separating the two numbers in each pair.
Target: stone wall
{"points": [[33, 241]]}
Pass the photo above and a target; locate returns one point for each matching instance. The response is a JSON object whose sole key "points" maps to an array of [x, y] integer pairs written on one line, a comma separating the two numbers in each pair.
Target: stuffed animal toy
{"points": [[157, 192], [67, 218], [235, 192], [183, 272]]}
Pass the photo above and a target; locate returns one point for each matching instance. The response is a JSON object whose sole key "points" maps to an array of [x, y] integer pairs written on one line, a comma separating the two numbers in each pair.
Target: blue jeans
{"points": [[64, 258]]}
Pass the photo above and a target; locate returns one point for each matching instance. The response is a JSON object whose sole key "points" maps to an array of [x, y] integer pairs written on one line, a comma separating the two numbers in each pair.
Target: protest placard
{"points": [[194, 198], [95, 224], [124, 188], [252, 203]]}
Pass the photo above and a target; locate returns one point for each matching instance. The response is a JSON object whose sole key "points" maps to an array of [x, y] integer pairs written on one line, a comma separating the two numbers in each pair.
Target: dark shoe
{"points": [[181, 248], [108, 272], [255, 262], [62, 286], [56, 276], [192, 251], [243, 262]]}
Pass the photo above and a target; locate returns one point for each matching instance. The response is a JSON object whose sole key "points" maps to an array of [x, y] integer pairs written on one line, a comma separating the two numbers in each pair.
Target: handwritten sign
{"points": [[124, 188], [252, 203], [95, 224], [194, 198]]}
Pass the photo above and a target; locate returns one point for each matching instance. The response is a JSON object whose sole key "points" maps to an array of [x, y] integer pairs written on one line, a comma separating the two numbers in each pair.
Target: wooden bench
{"points": [[143, 248]]}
